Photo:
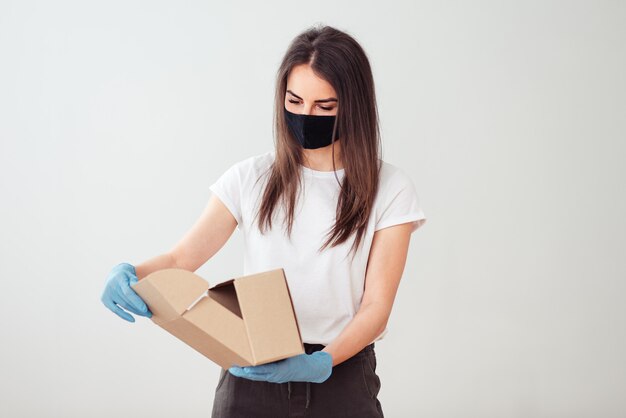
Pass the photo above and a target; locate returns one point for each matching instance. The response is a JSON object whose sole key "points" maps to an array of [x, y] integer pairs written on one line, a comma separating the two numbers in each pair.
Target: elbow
{"points": [[382, 327], [174, 260], [381, 315]]}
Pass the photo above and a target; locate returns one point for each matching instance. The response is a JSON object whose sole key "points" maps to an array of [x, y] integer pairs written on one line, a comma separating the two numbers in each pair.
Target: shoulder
{"points": [[392, 176], [245, 172], [261, 162], [253, 164]]}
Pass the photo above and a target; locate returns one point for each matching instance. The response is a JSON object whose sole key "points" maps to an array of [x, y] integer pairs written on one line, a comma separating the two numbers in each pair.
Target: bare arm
{"points": [[161, 261], [384, 270], [205, 238]]}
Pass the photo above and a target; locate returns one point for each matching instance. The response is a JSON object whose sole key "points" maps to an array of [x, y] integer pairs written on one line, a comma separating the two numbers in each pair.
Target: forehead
{"points": [[306, 84]]}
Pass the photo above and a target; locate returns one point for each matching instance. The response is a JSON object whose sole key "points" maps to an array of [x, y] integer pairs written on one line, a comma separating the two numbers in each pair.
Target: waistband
{"points": [[310, 348]]}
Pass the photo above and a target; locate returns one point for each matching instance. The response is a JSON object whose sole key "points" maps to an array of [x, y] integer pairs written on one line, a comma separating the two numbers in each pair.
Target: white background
{"points": [[510, 117]]}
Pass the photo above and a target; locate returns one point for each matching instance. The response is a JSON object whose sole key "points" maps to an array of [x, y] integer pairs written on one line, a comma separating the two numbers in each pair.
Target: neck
{"points": [[321, 159]]}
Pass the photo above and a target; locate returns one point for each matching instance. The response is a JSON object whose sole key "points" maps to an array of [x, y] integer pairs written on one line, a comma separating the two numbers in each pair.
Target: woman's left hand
{"points": [[315, 367]]}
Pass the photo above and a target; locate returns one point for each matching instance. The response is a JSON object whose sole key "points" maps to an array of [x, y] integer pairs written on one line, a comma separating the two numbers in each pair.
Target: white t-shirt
{"points": [[326, 288]]}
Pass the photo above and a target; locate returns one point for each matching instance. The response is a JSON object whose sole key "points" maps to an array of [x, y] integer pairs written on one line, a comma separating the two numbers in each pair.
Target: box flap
{"points": [[226, 329], [227, 297], [268, 315], [224, 283], [169, 292]]}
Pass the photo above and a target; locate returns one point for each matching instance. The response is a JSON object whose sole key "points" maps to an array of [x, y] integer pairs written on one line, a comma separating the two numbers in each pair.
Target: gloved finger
{"points": [[119, 312], [247, 375], [121, 300], [261, 369], [258, 372], [133, 299], [240, 371], [236, 371]]}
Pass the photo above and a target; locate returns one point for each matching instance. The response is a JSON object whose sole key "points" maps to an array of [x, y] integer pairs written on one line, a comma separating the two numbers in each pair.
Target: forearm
{"points": [[161, 261], [366, 325]]}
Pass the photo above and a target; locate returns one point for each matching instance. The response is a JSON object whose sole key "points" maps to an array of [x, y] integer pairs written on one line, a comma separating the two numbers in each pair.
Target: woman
{"points": [[324, 207]]}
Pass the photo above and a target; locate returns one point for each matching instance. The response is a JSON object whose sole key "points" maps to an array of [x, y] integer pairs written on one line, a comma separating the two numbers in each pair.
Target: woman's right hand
{"points": [[117, 291]]}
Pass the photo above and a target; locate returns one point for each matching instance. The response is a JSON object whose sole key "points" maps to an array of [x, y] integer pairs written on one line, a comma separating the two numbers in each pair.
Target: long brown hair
{"points": [[337, 58]]}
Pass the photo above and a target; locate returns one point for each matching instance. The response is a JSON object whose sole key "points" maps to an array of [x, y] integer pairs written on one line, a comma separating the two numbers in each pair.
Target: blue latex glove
{"points": [[315, 367], [117, 291]]}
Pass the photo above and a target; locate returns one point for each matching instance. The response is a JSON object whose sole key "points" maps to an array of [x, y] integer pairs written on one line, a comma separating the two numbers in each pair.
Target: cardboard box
{"points": [[246, 321]]}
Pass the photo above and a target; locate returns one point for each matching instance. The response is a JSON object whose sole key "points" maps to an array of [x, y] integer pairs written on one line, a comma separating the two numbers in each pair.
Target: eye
{"points": [[326, 108]]}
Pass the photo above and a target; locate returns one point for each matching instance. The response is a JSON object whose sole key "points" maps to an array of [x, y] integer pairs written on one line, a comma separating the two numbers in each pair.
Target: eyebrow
{"points": [[330, 99]]}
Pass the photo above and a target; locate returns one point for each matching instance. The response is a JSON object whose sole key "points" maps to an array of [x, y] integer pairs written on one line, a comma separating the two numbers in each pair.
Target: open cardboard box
{"points": [[245, 321]]}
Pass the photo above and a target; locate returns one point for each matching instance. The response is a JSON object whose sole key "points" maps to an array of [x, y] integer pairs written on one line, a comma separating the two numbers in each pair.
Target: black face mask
{"points": [[311, 131]]}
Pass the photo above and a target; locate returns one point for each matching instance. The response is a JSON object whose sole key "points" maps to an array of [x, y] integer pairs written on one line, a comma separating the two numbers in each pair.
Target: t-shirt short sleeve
{"points": [[400, 203], [228, 189]]}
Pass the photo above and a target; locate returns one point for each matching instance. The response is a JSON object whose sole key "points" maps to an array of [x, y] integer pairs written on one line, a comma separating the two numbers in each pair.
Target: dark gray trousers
{"points": [[350, 391]]}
